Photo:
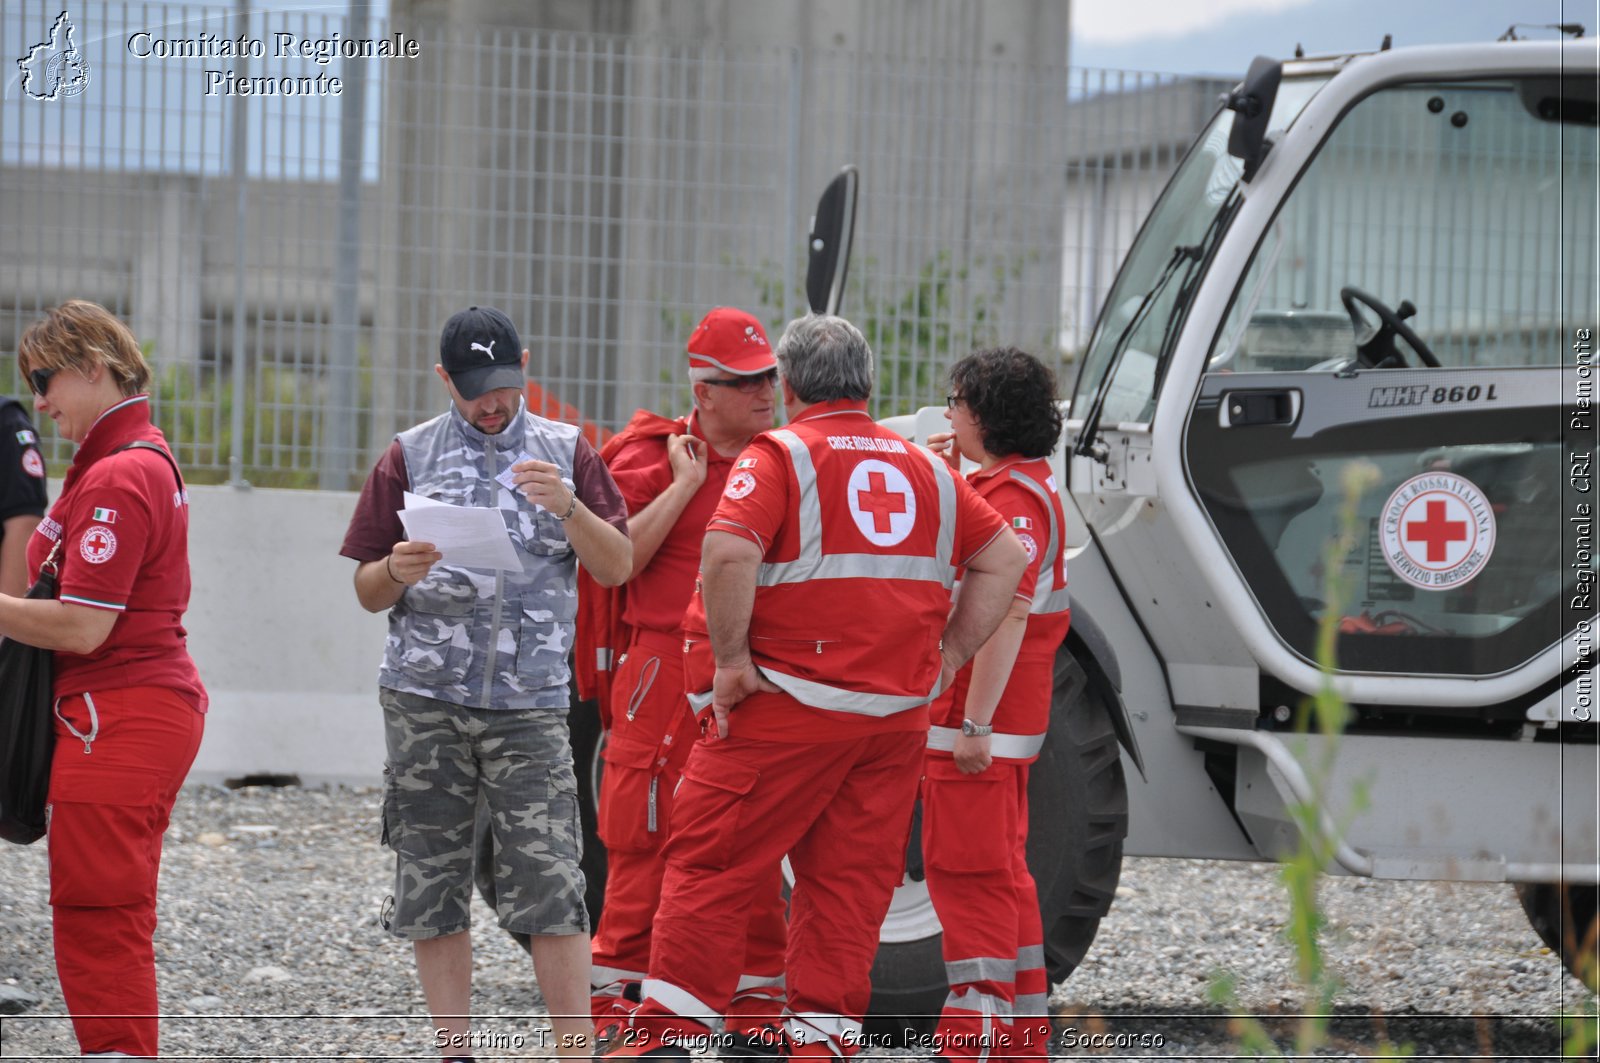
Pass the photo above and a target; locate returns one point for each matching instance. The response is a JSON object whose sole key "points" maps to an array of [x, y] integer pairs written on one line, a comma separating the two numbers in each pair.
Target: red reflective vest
{"points": [[853, 591], [1023, 714]]}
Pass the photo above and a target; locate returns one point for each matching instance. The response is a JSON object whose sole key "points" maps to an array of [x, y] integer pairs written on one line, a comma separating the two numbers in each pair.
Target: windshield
{"points": [[1197, 193]]}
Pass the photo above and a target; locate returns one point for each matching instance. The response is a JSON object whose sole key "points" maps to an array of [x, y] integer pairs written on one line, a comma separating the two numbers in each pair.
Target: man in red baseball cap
{"points": [[671, 472]]}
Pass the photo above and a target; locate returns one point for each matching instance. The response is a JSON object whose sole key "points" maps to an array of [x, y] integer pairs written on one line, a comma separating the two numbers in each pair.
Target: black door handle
{"points": [[1242, 409]]}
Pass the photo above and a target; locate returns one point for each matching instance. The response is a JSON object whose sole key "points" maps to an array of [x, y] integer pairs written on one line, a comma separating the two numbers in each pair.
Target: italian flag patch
{"points": [[1022, 523], [745, 463], [104, 516]]}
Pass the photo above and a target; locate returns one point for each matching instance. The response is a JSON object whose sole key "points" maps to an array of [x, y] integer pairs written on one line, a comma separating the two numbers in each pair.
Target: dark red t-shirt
{"points": [[123, 524]]}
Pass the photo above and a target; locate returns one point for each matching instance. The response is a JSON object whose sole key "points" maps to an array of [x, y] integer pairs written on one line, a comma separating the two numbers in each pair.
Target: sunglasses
{"points": [[39, 379], [749, 385]]}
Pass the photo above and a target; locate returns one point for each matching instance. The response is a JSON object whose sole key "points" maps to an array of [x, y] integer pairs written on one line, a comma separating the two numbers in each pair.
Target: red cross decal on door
{"points": [[1436, 531], [882, 503]]}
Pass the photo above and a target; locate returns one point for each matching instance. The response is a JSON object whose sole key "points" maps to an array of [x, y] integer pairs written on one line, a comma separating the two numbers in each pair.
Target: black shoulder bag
{"points": [[27, 733]]}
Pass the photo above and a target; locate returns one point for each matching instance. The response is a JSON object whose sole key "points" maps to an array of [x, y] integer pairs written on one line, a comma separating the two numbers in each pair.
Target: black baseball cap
{"points": [[480, 350]]}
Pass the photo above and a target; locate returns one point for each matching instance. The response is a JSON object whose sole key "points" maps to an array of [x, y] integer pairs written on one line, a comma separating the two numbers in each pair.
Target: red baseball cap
{"points": [[730, 340]]}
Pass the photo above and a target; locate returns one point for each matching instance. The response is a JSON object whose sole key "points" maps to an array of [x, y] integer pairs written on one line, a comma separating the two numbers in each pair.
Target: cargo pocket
{"points": [[709, 811], [628, 802], [542, 645], [104, 836], [436, 614], [391, 825], [968, 821], [566, 834]]}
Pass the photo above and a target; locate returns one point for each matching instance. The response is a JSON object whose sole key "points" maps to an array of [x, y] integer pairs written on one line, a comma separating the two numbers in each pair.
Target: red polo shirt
{"points": [[123, 524], [658, 596]]}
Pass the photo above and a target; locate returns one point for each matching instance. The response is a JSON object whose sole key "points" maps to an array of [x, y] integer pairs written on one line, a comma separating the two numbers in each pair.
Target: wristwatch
{"points": [[976, 730]]}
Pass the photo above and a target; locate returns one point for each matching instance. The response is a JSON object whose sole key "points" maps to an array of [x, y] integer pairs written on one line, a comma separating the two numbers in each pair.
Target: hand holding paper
{"points": [[467, 536]]}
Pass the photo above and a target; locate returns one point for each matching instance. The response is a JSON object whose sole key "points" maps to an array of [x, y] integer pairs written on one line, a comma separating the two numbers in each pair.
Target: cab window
{"points": [[1464, 210]]}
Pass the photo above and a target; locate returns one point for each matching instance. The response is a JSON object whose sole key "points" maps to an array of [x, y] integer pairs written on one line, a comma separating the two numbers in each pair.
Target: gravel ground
{"points": [[269, 948]]}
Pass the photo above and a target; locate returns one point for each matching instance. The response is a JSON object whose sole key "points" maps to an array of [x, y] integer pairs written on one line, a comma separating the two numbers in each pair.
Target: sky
{"points": [[1222, 36]]}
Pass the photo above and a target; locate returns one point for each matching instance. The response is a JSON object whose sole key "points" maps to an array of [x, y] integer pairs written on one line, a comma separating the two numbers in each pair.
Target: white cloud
{"points": [[1124, 21]]}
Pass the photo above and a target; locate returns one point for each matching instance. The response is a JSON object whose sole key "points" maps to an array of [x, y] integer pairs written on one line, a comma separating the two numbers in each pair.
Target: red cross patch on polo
{"points": [[97, 545]]}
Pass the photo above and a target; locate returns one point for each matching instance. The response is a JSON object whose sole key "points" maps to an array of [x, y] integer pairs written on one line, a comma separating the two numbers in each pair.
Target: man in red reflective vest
{"points": [[991, 724], [821, 629], [671, 473]]}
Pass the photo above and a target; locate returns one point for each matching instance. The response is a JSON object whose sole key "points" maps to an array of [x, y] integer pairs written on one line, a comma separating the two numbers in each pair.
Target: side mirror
{"points": [[1252, 103], [832, 231]]}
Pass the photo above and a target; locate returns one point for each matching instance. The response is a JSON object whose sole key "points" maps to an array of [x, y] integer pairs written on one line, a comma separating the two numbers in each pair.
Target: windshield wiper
{"points": [[1089, 444]]}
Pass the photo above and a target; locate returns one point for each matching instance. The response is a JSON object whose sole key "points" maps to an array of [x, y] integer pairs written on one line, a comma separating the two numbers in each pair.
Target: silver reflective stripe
{"points": [[758, 981], [856, 566], [602, 659], [1030, 958], [607, 981], [1013, 747], [980, 969], [812, 1026], [822, 696], [678, 1001], [810, 508], [981, 1003], [1036, 1004], [1047, 597], [1057, 601], [947, 510]]}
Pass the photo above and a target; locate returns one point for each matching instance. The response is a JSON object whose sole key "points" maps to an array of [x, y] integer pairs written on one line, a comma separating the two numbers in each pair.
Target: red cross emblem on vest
{"points": [[880, 502]]}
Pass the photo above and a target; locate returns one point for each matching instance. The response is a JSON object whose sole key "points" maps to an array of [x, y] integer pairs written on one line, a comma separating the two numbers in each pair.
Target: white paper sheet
{"points": [[468, 536]]}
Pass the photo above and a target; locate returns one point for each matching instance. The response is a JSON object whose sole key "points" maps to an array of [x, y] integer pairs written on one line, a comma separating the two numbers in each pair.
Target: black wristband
{"points": [[389, 568]]}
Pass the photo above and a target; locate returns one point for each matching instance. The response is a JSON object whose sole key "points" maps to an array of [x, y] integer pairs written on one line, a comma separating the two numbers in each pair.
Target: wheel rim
{"points": [[911, 916]]}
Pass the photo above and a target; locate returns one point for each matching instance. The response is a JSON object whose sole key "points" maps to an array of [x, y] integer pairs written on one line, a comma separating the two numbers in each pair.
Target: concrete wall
{"points": [[290, 658]]}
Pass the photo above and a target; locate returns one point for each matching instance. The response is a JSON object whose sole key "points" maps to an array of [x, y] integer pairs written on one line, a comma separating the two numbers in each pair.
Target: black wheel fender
{"points": [[1563, 915]]}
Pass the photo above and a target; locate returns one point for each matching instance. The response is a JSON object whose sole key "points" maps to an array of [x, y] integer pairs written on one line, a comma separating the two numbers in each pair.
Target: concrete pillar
{"points": [[165, 303]]}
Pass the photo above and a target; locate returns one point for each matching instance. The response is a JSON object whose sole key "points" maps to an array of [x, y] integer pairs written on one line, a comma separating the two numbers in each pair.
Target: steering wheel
{"points": [[1375, 346]]}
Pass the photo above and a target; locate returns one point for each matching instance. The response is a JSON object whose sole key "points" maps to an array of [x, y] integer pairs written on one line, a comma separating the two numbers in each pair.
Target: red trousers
{"points": [[652, 732], [841, 810], [974, 843], [120, 757]]}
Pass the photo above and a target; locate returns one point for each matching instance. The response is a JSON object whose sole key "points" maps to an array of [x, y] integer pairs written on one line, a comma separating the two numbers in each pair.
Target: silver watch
{"points": [[976, 730]]}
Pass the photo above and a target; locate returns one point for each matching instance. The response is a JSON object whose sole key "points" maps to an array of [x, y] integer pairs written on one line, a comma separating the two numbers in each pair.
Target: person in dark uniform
{"points": [[23, 498]]}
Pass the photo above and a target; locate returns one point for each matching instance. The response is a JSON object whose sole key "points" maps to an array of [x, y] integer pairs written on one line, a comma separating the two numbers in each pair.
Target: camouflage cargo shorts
{"points": [[444, 760]]}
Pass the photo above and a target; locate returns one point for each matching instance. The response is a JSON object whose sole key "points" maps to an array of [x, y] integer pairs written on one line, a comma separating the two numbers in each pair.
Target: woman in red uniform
{"points": [[991, 725], [129, 702]]}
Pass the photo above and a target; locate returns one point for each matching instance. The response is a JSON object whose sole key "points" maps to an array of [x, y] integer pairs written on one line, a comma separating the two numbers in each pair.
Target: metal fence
{"points": [[288, 259]]}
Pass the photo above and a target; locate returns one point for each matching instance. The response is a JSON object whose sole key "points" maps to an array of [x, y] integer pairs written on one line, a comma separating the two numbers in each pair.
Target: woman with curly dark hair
{"points": [[990, 726]]}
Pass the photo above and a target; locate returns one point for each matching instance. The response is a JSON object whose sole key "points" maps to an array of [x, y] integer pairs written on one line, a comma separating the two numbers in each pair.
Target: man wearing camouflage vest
{"points": [[474, 676]]}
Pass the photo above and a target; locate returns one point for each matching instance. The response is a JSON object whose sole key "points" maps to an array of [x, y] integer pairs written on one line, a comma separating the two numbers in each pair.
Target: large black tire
{"points": [[1564, 918], [588, 739], [1078, 815]]}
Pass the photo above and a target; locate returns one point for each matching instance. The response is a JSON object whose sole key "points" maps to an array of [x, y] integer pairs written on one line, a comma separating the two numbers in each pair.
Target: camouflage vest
{"points": [[472, 637]]}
